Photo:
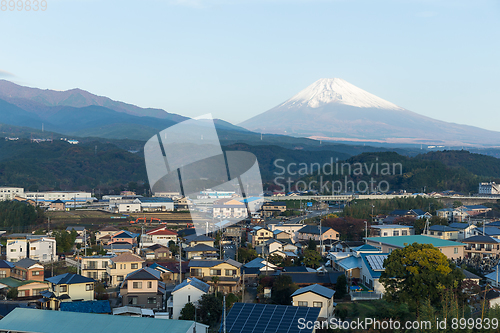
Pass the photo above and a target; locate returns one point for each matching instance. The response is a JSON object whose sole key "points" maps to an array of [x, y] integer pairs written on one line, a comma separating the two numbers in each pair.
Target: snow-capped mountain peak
{"points": [[325, 91]]}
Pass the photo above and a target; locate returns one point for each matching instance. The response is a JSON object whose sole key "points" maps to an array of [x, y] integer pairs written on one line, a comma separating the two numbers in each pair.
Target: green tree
{"points": [[209, 310], [282, 290], [416, 273], [246, 254], [311, 258], [188, 312], [12, 294], [341, 287], [312, 245], [457, 204], [275, 259]]}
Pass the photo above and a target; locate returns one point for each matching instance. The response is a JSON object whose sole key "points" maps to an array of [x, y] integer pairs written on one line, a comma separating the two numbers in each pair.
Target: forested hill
{"points": [[478, 164], [415, 174], [104, 167]]}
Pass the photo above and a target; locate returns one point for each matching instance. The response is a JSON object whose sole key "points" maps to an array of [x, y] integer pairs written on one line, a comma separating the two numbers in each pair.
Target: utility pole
{"points": [[243, 292], [180, 261], [224, 318]]}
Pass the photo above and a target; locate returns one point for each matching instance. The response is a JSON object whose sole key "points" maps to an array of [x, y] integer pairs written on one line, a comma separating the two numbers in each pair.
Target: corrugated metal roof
{"points": [[46, 321]]}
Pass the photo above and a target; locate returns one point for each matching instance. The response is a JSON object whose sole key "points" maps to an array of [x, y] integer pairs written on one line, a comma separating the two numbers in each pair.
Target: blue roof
{"points": [[256, 263], [313, 229], [86, 307], [6, 264], [442, 228], [457, 225], [490, 231], [46, 321], [317, 289], [200, 285], [365, 247], [349, 263], [476, 207], [375, 274], [69, 278], [154, 199]]}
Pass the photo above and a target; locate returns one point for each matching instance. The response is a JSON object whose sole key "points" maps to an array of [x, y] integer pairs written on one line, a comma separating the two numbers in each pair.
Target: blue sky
{"points": [[239, 58]]}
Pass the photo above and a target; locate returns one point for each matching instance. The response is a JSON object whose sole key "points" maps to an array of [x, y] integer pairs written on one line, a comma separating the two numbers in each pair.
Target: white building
{"points": [[211, 194], [189, 291], [489, 188], [9, 193], [155, 204], [68, 197], [40, 248], [160, 235], [127, 207], [291, 228]]}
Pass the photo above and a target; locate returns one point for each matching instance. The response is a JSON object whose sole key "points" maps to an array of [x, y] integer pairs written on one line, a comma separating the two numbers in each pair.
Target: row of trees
{"points": [[18, 216]]}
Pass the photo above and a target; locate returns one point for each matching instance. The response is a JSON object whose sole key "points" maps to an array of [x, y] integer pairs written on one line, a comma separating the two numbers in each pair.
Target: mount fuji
{"points": [[334, 109]]}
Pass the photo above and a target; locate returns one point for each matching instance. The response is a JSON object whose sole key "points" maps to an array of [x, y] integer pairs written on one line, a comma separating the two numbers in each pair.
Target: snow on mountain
{"points": [[337, 90]]}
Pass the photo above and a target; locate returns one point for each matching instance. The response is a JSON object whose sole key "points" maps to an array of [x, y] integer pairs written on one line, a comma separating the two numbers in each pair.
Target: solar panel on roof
{"points": [[376, 262], [268, 318]]}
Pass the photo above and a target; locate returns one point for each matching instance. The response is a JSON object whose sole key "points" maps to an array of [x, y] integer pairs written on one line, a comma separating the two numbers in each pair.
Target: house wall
{"points": [[77, 291], [121, 269], [32, 289], [144, 286], [43, 250], [309, 297], [17, 249], [95, 268], [183, 296], [448, 251], [365, 277]]}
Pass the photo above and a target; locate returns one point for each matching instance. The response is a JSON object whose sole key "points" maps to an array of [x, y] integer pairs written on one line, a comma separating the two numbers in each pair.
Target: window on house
{"points": [[33, 248], [230, 272], [119, 278], [63, 289], [195, 272], [22, 293], [151, 300], [317, 304], [134, 266], [150, 284], [34, 273], [215, 272], [132, 300], [395, 233], [455, 250], [3, 274], [89, 287], [404, 233], [189, 298], [137, 285], [104, 264], [302, 303], [12, 250]]}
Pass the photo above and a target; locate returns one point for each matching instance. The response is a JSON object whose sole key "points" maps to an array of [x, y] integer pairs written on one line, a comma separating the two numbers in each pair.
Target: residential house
{"points": [[259, 235], [122, 265], [464, 229], [442, 232], [229, 209], [224, 276], [490, 188], [123, 236], [316, 296], [182, 203], [95, 267], [42, 249], [79, 230], [273, 208], [106, 231], [256, 267], [200, 251], [268, 247], [415, 213], [36, 247], [281, 235], [189, 291], [493, 278], [68, 287], [27, 276], [5, 268], [193, 240], [450, 249], [313, 232], [481, 246], [387, 230], [57, 205], [487, 230], [161, 235], [372, 266], [290, 228], [143, 288], [156, 252]]}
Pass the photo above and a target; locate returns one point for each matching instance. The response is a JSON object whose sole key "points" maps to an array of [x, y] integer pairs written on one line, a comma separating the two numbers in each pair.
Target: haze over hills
{"points": [[79, 113], [334, 109]]}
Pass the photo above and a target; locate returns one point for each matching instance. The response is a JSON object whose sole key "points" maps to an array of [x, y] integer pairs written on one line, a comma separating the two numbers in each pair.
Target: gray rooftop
{"points": [[316, 289]]}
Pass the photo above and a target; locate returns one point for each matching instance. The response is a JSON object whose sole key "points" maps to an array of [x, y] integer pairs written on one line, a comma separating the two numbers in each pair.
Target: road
{"points": [[312, 214], [229, 251]]}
